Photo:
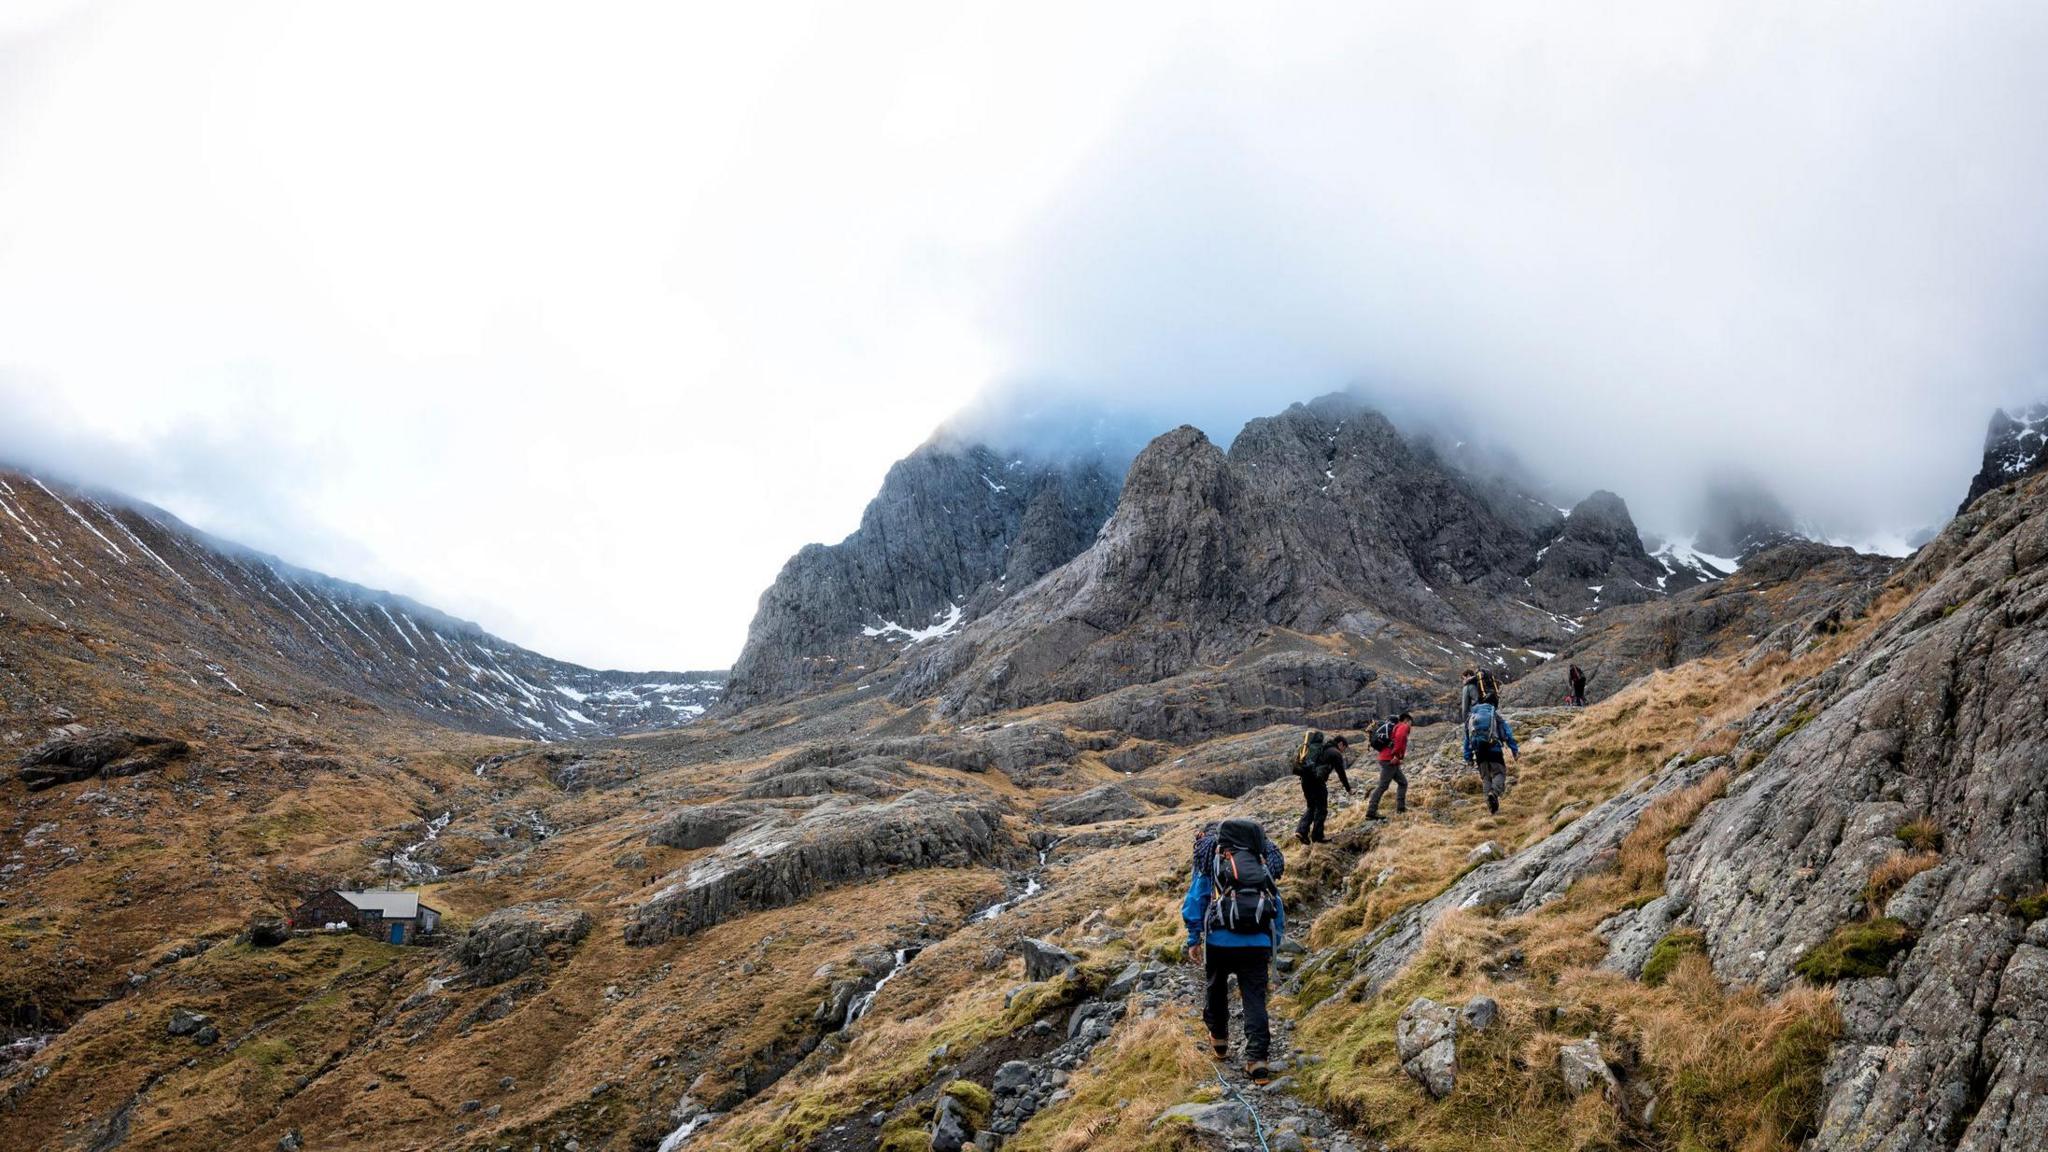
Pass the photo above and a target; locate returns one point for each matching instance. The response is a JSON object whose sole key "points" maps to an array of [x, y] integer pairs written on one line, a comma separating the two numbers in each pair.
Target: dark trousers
{"points": [[1390, 773], [1251, 967], [1493, 777], [1315, 793]]}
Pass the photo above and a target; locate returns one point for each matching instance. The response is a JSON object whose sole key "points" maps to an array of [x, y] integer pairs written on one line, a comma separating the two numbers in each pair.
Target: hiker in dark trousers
{"points": [[1487, 738], [1235, 922], [1578, 680], [1391, 758], [1315, 790]]}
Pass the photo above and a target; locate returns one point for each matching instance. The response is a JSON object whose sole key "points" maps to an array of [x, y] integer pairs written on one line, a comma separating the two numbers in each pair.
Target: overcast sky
{"points": [[578, 319]]}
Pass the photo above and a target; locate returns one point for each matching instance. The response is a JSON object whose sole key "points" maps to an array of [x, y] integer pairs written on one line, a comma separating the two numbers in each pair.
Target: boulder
{"points": [[1484, 854], [1584, 1069], [510, 942], [1225, 1120], [185, 1022], [1480, 1013], [1013, 1077], [267, 931], [952, 1130], [1043, 961], [1425, 1038]]}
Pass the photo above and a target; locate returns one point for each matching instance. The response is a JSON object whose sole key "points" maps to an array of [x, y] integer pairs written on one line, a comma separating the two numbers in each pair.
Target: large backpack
{"points": [[1243, 896], [1484, 725], [1310, 751], [1489, 689], [1381, 737]]}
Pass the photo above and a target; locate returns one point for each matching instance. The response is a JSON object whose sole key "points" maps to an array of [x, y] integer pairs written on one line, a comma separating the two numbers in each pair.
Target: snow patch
{"points": [[947, 623]]}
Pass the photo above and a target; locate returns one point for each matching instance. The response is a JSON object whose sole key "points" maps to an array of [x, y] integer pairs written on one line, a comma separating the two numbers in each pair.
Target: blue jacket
{"points": [[1507, 735], [1195, 907]]}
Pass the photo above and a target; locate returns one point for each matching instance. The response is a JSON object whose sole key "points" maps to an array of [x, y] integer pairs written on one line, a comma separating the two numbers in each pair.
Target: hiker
{"points": [[1578, 680], [1235, 922], [1314, 762], [1479, 687], [1391, 758], [1486, 734]]}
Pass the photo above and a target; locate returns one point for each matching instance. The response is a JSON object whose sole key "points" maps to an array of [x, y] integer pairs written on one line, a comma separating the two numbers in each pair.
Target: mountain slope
{"points": [[141, 589]]}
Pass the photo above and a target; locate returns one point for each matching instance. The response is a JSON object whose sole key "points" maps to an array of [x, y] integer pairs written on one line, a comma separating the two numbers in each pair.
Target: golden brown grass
{"points": [[1887, 878], [1145, 1068], [1642, 851]]}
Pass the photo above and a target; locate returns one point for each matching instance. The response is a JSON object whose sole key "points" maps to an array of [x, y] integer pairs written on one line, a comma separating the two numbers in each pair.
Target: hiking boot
{"points": [[1374, 816], [1258, 1072], [1493, 804], [1220, 1049]]}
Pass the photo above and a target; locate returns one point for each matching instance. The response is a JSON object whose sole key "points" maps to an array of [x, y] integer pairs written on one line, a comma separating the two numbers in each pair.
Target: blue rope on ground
{"points": [[1258, 1126]]}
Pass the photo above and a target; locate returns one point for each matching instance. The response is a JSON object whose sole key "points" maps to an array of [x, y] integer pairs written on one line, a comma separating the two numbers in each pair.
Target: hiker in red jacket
{"points": [[1390, 771]]}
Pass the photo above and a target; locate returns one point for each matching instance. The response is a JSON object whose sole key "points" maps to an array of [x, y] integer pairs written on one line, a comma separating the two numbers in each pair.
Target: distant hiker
{"points": [[1235, 921], [1486, 734], [1392, 753], [1578, 680], [1313, 762]]}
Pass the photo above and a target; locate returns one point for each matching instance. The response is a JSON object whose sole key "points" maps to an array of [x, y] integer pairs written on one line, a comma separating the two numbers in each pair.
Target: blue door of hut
{"points": [[398, 933]]}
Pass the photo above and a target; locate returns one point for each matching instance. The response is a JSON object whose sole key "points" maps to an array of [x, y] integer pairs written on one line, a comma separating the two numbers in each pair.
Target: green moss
{"points": [[2032, 908], [974, 1099], [1668, 952], [1798, 720], [1857, 949]]}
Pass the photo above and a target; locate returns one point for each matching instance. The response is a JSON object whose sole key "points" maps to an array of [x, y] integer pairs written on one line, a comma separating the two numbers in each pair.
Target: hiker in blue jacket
{"points": [[1487, 734], [1235, 922]]}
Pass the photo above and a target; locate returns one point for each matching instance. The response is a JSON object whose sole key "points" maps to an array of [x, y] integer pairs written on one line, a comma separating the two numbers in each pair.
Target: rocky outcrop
{"points": [[706, 826], [1598, 559], [511, 942], [1105, 802], [954, 530], [2016, 445], [80, 755], [1426, 1039], [1792, 596], [1935, 717], [771, 865]]}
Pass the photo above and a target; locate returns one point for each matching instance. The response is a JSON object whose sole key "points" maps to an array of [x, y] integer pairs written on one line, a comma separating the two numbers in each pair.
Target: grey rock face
{"points": [[951, 1129], [1934, 716], [707, 826], [1631, 935], [771, 865], [953, 531], [2016, 445], [1043, 961], [1426, 1039], [510, 942]]}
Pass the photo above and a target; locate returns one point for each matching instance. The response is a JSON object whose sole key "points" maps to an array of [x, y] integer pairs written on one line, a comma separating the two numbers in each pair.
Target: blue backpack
{"points": [[1484, 726]]}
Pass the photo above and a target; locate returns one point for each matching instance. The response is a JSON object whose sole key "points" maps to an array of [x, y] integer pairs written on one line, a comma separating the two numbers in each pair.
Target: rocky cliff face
{"points": [[2016, 445], [954, 530], [1598, 559], [260, 634], [1925, 740]]}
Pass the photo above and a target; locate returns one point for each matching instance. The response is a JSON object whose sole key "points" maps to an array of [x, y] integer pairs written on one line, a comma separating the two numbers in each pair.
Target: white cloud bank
{"points": [[579, 319]]}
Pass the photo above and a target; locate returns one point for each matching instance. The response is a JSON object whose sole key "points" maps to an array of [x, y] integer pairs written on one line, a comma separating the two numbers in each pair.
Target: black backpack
{"points": [[1489, 691], [1381, 737], [1311, 750], [1244, 896]]}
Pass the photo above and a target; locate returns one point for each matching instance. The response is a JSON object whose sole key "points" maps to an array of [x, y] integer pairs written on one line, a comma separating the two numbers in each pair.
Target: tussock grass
{"points": [[1642, 851], [1887, 878], [1921, 835]]}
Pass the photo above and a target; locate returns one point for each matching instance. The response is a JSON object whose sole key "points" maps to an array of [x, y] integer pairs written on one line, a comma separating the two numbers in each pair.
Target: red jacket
{"points": [[1393, 753]]}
